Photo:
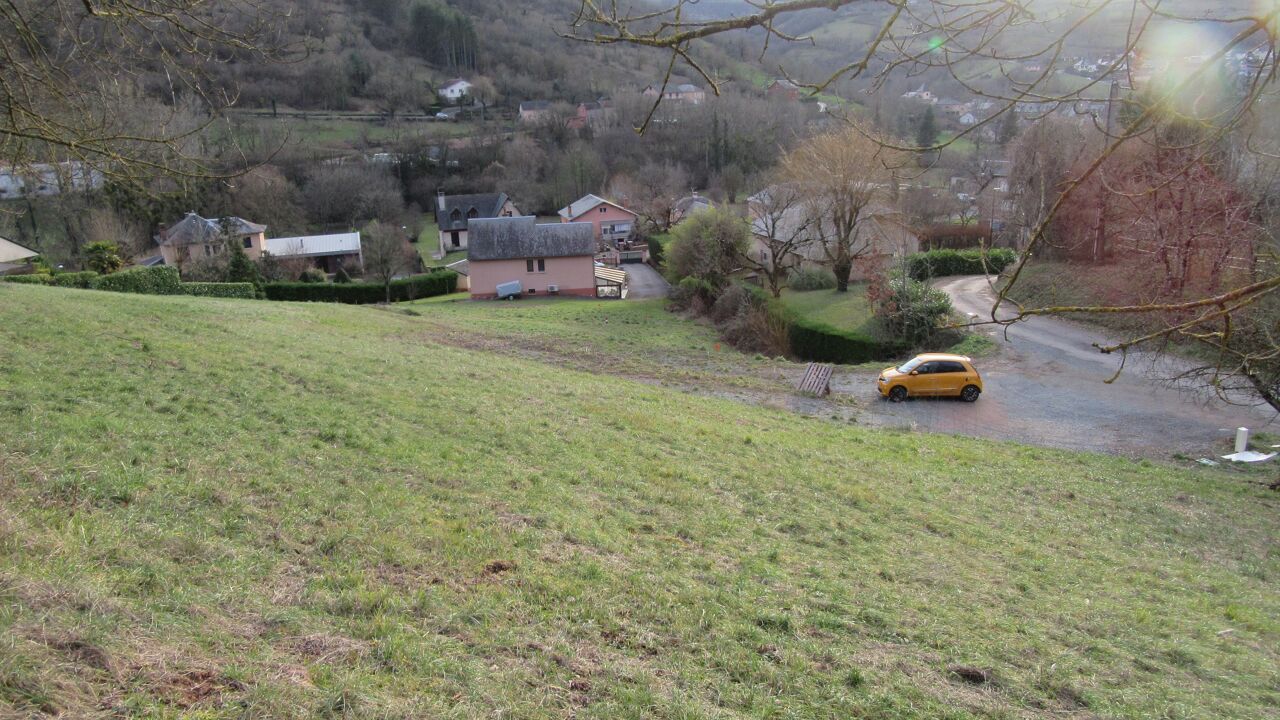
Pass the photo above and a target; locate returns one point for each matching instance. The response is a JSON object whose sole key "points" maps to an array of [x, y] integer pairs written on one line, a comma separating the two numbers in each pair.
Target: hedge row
{"points": [[144, 281], [83, 280], [819, 342], [223, 290], [941, 263], [37, 279], [364, 293]]}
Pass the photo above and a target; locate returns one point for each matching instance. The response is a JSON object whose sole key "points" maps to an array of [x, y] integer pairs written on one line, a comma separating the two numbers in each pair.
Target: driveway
{"points": [[1046, 386], [645, 282]]}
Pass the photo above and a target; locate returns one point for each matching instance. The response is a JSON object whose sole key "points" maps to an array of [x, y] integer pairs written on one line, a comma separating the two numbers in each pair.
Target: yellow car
{"points": [[931, 375]]}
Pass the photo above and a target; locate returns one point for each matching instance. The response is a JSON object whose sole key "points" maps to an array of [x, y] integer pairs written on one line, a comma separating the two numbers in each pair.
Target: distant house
{"points": [[15, 259], [689, 205], [920, 93], [551, 258], [784, 89], [45, 179], [968, 119], [327, 252], [611, 221], [194, 236], [590, 114], [454, 90], [534, 110], [454, 212], [681, 92], [953, 107]]}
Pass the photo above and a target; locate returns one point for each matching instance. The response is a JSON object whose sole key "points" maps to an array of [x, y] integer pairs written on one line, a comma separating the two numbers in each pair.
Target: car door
{"points": [[949, 377], [924, 382]]}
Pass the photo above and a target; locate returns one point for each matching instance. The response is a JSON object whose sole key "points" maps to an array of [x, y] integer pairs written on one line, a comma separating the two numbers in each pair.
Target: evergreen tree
{"points": [[927, 132], [1008, 127], [241, 268]]}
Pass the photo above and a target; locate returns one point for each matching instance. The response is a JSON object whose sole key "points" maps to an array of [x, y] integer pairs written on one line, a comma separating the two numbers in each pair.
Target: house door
{"points": [[453, 238]]}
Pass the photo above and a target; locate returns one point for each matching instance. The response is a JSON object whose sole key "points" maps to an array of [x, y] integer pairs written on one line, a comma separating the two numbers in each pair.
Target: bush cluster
{"points": [[912, 310], [363, 293], [814, 278], [83, 280], [243, 290], [161, 280], [941, 263]]}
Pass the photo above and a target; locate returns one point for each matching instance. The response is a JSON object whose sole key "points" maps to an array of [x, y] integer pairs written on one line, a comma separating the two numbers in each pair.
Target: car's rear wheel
{"points": [[970, 393], [898, 394]]}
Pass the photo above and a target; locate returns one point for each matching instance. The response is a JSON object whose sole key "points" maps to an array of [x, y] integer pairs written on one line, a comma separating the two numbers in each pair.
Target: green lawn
{"points": [[230, 509], [845, 310]]}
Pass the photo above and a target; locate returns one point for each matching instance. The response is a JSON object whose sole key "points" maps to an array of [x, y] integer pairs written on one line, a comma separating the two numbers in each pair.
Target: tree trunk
{"points": [[842, 268], [387, 286]]}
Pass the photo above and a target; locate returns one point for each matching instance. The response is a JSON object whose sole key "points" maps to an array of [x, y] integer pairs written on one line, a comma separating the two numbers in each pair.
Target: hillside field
{"points": [[242, 509]]}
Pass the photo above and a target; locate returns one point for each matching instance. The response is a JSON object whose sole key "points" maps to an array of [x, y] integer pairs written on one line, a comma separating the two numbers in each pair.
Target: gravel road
{"points": [[1046, 386]]}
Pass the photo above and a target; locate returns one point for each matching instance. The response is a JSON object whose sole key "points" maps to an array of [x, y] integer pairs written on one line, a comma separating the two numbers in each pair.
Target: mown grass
{"points": [[845, 310], [219, 508]]}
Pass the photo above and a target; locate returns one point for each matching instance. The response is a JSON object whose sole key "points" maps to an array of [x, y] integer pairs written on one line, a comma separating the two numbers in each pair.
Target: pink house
{"points": [[548, 259], [195, 237], [611, 221]]}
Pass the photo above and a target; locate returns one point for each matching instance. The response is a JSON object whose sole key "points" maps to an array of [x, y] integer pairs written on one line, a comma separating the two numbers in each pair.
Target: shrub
{"points": [[818, 278], [940, 263], [103, 256], [692, 293], [36, 279], [912, 311], [145, 281], [362, 293], [82, 280], [223, 290], [342, 276], [657, 246], [707, 246], [729, 303], [313, 275]]}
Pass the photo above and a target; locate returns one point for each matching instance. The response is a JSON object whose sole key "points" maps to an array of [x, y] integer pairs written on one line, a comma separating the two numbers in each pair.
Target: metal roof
{"points": [[462, 267], [312, 245], [609, 275], [510, 238], [12, 252]]}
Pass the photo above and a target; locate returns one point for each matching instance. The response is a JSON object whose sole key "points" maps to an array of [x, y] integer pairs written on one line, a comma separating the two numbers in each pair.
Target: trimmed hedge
{"points": [[82, 280], [819, 342], [37, 279], [144, 281], [223, 290], [364, 293], [941, 263]]}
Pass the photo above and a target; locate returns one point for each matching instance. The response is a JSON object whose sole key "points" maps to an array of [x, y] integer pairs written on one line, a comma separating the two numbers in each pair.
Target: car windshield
{"points": [[910, 365]]}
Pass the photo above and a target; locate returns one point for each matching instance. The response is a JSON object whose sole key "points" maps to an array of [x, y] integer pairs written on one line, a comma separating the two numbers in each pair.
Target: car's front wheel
{"points": [[970, 393], [898, 394]]}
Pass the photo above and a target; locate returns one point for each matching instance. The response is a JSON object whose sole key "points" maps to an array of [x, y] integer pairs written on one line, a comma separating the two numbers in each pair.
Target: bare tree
{"points": [[386, 254], [74, 70], [781, 225], [843, 176]]}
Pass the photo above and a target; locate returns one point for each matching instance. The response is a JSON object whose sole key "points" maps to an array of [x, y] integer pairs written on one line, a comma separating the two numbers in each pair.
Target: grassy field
{"points": [[848, 310], [218, 509]]}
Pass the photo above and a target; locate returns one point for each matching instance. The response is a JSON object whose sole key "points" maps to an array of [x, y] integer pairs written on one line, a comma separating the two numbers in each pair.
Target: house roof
{"points": [[315, 245], [454, 83], [533, 105], [688, 88], [196, 230], [12, 252], [692, 202], [584, 204], [511, 238], [462, 267], [610, 276], [486, 205]]}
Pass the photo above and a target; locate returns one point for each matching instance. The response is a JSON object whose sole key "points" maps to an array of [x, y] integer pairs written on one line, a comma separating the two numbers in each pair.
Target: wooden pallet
{"points": [[816, 380]]}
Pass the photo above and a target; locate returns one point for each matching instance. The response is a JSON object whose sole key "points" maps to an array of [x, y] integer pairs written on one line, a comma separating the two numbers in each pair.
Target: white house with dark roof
{"points": [[546, 259], [455, 212], [454, 89]]}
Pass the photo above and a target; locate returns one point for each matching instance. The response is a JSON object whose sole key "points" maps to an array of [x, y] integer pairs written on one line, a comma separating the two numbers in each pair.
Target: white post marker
{"points": [[1243, 453]]}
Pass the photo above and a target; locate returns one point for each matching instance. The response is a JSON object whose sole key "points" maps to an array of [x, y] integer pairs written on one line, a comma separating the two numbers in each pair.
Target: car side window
{"points": [[926, 368], [951, 367]]}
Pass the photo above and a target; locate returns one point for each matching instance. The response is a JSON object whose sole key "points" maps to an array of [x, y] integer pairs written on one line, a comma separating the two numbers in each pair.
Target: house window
{"points": [[456, 215], [473, 213], [208, 251], [538, 263], [248, 243], [603, 209]]}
